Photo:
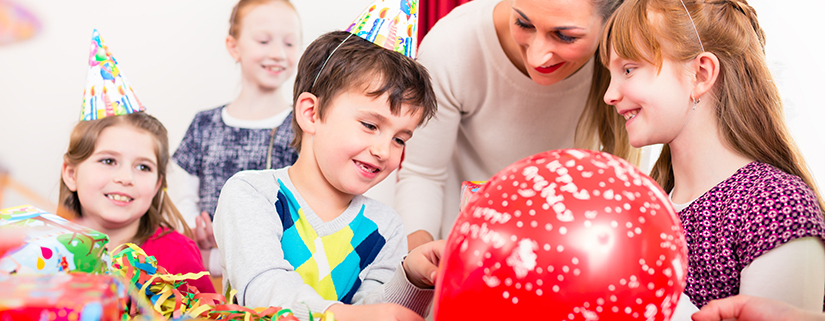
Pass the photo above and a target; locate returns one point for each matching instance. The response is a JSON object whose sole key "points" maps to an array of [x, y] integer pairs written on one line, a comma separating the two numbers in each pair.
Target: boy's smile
{"points": [[357, 144]]}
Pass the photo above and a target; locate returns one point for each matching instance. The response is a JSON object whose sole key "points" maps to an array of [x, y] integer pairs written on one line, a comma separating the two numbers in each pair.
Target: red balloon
{"points": [[564, 235]]}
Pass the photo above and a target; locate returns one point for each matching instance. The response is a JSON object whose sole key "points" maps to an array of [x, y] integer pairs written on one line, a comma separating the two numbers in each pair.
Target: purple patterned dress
{"points": [[757, 209]]}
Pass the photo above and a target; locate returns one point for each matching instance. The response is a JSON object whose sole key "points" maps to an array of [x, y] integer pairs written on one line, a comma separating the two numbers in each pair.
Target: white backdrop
{"points": [[173, 54]]}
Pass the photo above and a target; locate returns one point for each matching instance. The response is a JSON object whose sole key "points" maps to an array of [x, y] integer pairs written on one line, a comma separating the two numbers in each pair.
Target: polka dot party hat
{"points": [[107, 92]]}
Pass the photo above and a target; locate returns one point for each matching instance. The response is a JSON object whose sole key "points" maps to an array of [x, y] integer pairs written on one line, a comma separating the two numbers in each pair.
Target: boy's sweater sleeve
{"points": [[248, 231], [385, 281]]}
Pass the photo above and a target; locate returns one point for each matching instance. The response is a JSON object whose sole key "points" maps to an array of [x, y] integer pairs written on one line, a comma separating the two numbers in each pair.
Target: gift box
{"points": [[468, 189], [63, 296], [52, 244]]}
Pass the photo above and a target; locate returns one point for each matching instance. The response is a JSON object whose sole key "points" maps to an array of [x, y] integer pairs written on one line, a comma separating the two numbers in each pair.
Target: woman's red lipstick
{"points": [[547, 70]]}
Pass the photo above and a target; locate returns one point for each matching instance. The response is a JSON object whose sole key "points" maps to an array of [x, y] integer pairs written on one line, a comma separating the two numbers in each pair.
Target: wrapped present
{"points": [[52, 244], [63, 296], [468, 189]]}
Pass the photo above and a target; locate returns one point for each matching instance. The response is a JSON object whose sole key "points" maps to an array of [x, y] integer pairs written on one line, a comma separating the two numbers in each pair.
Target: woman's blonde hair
{"points": [[600, 127], [161, 213], [748, 108]]}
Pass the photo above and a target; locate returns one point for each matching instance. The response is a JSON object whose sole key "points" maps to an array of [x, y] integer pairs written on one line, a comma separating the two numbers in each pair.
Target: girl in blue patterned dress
{"points": [[692, 75], [254, 131]]}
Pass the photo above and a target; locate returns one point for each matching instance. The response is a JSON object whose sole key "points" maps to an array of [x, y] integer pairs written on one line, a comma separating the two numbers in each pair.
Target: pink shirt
{"points": [[178, 254]]}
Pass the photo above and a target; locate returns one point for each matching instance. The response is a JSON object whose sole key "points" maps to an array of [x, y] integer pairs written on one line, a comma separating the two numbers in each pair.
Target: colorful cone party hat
{"points": [[107, 91], [392, 24]]}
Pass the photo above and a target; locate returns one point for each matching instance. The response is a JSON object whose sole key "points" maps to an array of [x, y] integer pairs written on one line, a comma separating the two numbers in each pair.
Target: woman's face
{"points": [[555, 37]]}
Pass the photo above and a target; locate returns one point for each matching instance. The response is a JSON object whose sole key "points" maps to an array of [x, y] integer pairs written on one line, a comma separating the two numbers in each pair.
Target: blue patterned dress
{"points": [[214, 151]]}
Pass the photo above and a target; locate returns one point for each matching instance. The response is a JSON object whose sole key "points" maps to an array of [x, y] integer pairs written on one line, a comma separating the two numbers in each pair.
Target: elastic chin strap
{"points": [[326, 60], [695, 102]]}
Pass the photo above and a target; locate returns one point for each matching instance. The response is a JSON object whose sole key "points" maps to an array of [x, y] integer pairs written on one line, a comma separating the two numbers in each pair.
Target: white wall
{"points": [[173, 54]]}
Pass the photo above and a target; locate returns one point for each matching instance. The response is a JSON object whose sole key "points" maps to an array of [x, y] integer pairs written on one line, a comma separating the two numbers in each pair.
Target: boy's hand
{"points": [[746, 308], [418, 238], [378, 312], [421, 264]]}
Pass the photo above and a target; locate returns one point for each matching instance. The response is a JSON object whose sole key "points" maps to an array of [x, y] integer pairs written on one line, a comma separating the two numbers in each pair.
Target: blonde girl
{"points": [[113, 177], [692, 75]]}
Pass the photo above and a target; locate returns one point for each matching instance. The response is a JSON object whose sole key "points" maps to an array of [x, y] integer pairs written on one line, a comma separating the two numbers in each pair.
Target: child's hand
{"points": [[421, 264], [203, 232], [378, 312]]}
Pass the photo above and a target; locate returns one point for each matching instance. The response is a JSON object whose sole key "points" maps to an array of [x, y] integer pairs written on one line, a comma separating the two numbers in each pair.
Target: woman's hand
{"points": [[747, 308], [417, 238]]}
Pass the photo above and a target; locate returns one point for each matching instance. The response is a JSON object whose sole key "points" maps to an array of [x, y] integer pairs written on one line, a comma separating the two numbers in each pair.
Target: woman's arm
{"points": [[421, 180], [792, 273]]}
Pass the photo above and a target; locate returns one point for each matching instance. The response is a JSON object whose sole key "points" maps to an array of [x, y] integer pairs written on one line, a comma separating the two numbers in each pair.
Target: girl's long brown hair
{"points": [[161, 213], [748, 107], [601, 127]]}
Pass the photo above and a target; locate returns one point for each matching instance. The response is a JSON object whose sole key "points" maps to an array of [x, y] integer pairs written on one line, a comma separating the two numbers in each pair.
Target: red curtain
{"points": [[432, 10]]}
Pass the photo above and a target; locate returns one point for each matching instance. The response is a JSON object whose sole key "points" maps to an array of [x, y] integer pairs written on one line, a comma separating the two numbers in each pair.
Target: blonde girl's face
{"points": [[555, 37], [117, 183], [655, 104], [268, 45]]}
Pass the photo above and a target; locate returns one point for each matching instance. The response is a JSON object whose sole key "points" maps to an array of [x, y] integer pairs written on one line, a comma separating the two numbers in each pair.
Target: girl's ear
{"points": [[69, 174], [157, 186], [707, 71], [306, 114], [232, 47]]}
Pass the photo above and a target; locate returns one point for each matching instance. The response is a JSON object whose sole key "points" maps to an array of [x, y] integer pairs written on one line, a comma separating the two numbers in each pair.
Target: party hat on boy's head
{"points": [[392, 24], [107, 91]]}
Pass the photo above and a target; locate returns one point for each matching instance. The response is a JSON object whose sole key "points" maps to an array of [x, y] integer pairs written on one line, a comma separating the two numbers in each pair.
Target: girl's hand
{"points": [[377, 312], [747, 308], [421, 264], [203, 232]]}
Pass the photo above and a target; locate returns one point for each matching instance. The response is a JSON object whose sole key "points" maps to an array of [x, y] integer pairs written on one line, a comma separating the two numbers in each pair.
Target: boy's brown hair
{"points": [[360, 64]]}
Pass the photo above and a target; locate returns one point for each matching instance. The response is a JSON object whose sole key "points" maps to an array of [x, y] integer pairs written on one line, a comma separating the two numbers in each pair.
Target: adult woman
{"points": [[512, 78]]}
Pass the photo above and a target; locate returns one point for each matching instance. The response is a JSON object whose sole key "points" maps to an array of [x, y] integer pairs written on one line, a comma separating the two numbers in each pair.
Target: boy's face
{"points": [[359, 142]]}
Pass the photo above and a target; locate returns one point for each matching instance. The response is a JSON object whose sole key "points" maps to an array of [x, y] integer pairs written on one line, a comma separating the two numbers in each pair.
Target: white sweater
{"points": [[490, 115]]}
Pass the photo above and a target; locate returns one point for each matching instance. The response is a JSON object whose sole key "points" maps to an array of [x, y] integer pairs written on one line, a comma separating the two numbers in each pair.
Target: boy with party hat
{"points": [[304, 237]]}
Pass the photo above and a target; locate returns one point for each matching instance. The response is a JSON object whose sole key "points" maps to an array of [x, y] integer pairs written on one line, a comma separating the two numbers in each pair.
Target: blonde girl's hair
{"points": [[748, 107], [242, 8], [161, 213], [600, 127]]}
